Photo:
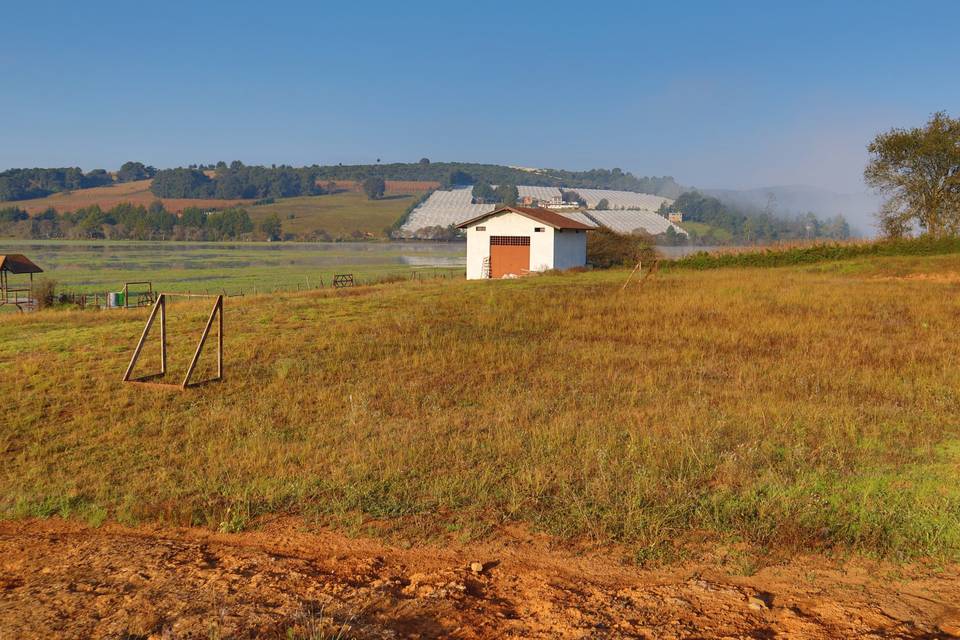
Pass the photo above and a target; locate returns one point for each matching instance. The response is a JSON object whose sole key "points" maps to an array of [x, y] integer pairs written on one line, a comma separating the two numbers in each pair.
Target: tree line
{"points": [[195, 178], [128, 221], [747, 228], [237, 181], [24, 184]]}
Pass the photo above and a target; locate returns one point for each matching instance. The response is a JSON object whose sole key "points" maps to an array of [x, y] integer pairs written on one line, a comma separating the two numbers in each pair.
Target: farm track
{"points": [[62, 579]]}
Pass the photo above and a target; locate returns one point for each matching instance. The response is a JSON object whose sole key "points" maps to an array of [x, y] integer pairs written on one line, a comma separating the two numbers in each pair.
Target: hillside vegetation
{"points": [[346, 215], [718, 405], [106, 197]]}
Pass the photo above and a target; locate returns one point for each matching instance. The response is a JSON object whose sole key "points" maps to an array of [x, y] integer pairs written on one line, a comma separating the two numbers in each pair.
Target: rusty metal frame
{"points": [[126, 293], [160, 307], [341, 280]]}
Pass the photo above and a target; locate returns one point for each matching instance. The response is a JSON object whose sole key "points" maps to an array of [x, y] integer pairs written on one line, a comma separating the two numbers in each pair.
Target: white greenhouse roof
{"points": [[628, 212]]}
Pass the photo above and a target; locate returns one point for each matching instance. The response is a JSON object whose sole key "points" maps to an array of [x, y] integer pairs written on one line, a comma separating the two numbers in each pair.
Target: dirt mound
{"points": [[61, 579]]}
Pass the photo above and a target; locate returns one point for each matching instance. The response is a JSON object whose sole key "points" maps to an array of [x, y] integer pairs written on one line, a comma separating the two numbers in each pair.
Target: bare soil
{"points": [[65, 580], [107, 197]]}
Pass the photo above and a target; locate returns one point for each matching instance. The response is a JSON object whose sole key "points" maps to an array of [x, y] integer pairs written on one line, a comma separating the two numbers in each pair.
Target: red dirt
{"points": [[62, 579], [393, 187], [137, 192]]}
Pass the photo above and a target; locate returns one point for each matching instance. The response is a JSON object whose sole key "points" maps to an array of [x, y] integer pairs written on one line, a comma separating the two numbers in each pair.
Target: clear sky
{"points": [[717, 94]]}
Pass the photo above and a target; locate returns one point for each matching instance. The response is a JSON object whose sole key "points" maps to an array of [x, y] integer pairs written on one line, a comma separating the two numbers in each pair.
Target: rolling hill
{"points": [[137, 192]]}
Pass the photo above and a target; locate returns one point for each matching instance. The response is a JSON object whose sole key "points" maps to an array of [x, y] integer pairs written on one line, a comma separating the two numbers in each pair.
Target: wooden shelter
{"points": [[21, 295]]}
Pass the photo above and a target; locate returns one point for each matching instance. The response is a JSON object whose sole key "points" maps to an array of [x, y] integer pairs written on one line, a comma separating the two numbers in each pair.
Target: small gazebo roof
{"points": [[18, 263]]}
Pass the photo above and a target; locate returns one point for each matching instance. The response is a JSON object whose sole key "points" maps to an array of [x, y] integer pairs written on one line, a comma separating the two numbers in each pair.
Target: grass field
{"points": [[702, 229], [338, 214], [798, 408], [98, 266]]}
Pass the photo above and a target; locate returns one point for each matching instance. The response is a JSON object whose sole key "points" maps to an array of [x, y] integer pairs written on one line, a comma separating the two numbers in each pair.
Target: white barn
{"points": [[515, 241]]}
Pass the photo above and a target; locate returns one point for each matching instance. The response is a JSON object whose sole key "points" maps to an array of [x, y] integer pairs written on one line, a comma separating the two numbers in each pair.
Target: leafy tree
{"points": [[573, 197], [131, 171], [607, 248], [229, 224], [96, 178], [374, 187], [193, 217], [182, 183], [918, 170], [483, 193], [458, 178], [13, 214], [271, 227], [673, 238], [508, 194], [424, 161], [604, 205]]}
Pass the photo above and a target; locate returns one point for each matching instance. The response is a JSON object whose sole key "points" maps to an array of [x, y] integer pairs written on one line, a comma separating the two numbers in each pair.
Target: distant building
{"points": [[675, 217], [516, 241]]}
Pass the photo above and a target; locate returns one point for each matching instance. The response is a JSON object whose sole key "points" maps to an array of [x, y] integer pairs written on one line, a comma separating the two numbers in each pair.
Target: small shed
{"points": [[16, 264], [516, 241]]}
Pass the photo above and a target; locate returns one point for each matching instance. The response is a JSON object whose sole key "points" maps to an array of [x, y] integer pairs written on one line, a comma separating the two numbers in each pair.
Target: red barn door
{"points": [[509, 255]]}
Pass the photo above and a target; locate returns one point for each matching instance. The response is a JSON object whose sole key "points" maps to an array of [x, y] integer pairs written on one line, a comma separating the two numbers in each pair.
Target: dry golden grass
{"points": [[796, 408]]}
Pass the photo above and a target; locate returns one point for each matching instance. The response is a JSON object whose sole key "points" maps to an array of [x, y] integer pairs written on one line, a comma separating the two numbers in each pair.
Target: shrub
{"points": [[374, 187], [606, 248], [44, 292]]}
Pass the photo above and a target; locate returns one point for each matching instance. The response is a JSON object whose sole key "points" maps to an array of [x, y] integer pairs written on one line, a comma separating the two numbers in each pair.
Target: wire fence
{"points": [[110, 299]]}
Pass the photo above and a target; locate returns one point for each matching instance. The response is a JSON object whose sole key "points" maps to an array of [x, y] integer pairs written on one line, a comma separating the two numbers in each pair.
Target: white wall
{"points": [[569, 249], [509, 224]]}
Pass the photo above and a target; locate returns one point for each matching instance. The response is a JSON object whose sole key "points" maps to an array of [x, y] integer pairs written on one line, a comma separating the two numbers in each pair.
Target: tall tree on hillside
{"points": [[483, 193], [131, 171], [918, 170], [508, 194], [374, 187], [458, 178], [572, 197]]}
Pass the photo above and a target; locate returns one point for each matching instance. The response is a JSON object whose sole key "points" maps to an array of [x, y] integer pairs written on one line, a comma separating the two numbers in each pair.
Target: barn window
{"points": [[538, 229], [481, 228], [510, 240]]}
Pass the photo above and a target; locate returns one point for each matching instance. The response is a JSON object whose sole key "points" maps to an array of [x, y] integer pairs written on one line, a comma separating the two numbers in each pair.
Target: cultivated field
{"points": [[137, 192], [340, 215], [731, 418], [242, 267]]}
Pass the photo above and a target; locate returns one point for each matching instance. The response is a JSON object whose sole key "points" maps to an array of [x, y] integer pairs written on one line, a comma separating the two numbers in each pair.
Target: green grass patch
{"points": [[346, 215], [825, 252]]}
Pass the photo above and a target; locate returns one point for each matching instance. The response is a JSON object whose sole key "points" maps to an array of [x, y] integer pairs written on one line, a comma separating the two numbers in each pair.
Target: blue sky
{"points": [[716, 94]]}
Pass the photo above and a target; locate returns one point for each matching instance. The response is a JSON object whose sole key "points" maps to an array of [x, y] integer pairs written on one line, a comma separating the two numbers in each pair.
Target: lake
{"points": [[99, 265]]}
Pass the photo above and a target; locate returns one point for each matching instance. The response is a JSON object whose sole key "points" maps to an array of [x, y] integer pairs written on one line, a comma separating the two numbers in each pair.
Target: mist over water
{"points": [[859, 209]]}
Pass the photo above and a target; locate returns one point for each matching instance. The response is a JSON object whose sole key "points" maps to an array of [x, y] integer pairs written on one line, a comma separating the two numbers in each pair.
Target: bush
{"points": [[44, 292], [374, 187], [606, 248]]}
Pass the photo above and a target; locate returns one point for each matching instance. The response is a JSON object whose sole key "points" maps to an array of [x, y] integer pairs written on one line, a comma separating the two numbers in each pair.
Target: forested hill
{"points": [[447, 173], [240, 181], [23, 184]]}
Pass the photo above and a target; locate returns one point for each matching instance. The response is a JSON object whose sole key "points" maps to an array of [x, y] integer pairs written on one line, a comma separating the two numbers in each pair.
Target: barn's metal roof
{"points": [[546, 216], [18, 263]]}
